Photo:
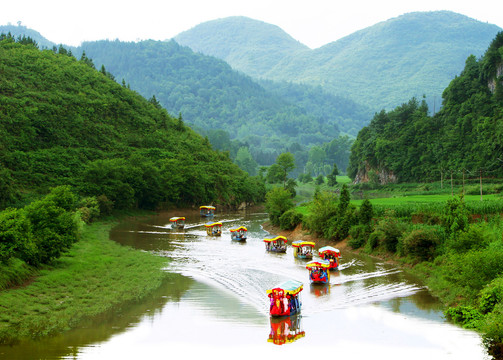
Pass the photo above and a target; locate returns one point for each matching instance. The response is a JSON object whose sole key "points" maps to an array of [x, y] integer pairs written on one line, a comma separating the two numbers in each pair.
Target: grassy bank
{"points": [[95, 276]]}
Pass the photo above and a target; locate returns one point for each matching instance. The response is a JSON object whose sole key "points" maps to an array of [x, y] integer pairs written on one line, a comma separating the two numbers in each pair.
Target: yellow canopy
{"points": [[300, 243], [321, 263], [174, 219], [213, 224], [207, 207], [276, 238], [239, 228]]}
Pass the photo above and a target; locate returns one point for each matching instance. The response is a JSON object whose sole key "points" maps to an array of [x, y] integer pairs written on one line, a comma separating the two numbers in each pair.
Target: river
{"points": [[218, 305]]}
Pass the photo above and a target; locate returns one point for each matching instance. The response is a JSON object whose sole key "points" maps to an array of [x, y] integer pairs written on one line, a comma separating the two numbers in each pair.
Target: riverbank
{"points": [[96, 276]]}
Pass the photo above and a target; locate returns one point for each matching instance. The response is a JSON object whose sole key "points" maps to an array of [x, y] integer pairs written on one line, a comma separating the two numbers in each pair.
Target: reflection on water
{"points": [[217, 304], [286, 330]]}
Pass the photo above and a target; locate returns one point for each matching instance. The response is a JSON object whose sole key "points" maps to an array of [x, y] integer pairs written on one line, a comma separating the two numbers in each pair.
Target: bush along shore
{"points": [[94, 276], [457, 251]]}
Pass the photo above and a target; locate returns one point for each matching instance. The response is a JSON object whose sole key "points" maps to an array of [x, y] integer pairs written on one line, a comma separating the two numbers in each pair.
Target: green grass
{"points": [[93, 278]]}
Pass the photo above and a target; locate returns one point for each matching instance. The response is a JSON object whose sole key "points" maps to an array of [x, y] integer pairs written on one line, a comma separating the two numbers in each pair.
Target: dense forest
{"points": [[465, 136], [378, 67], [63, 122], [211, 96]]}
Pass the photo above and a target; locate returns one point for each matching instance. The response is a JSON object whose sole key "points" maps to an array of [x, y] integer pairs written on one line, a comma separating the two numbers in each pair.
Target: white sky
{"points": [[312, 22]]}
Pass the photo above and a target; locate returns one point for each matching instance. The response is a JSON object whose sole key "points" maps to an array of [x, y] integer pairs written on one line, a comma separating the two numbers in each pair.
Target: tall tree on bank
{"points": [[286, 163]]}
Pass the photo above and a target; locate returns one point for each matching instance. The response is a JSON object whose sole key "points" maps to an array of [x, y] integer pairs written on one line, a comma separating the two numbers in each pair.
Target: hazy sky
{"points": [[312, 22]]}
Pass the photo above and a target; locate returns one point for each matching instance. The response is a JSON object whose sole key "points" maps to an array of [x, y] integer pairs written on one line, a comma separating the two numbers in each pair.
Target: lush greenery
{"points": [[464, 139], [65, 123], [380, 67], [94, 277]]}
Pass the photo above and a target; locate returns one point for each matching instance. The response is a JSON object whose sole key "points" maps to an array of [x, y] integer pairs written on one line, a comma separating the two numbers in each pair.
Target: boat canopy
{"points": [[211, 224], [239, 229], [300, 243], [207, 207], [290, 287], [175, 219], [318, 263], [282, 238], [328, 250]]}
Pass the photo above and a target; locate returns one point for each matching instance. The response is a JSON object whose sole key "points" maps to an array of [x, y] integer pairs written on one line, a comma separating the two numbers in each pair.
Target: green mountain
{"points": [[464, 137], [62, 122], [255, 45], [381, 66], [21, 30], [210, 95]]}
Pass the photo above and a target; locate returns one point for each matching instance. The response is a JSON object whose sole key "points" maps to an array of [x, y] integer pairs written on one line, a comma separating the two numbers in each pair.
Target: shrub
{"points": [[16, 238], [421, 243], [466, 316], [105, 205], [492, 329], [491, 295], [290, 219], [375, 238], [89, 209], [472, 239], [393, 230], [278, 201], [358, 235]]}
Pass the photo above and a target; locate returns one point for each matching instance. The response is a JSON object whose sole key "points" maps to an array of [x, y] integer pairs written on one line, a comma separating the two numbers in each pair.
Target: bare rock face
{"points": [[381, 175], [492, 82]]}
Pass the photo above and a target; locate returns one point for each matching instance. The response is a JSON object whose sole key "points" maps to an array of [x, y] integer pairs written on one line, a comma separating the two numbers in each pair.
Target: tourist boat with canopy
{"points": [[285, 330], [330, 254], [303, 249], [239, 234], [213, 228], [207, 210], [319, 271], [177, 222], [276, 244], [285, 298]]}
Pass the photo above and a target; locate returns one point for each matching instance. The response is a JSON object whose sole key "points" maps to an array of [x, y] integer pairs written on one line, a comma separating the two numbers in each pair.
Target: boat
{"points": [[177, 222], [285, 330], [239, 234], [303, 249], [213, 228], [319, 271], [276, 244], [207, 210], [330, 254], [285, 298]]}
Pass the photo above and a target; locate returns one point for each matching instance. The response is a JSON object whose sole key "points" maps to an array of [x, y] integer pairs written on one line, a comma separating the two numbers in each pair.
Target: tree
{"points": [[278, 201], [332, 177], [245, 161], [286, 163]]}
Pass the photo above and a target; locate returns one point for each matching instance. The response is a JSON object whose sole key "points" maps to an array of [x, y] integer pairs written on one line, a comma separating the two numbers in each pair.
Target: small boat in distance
{"points": [[213, 228], [285, 299], [239, 234], [330, 254], [303, 249], [276, 244], [318, 271], [207, 210], [177, 222]]}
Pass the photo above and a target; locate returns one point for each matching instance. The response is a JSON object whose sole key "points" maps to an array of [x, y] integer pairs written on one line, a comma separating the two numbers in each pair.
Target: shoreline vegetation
{"points": [[94, 277], [451, 243]]}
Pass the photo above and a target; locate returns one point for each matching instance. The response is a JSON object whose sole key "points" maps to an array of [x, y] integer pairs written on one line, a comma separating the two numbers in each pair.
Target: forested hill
{"points": [[64, 122], [210, 95], [466, 136], [251, 46], [380, 66]]}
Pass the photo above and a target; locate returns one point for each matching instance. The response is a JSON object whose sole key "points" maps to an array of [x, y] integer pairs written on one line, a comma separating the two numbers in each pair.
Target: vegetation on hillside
{"points": [[465, 137], [65, 123], [379, 67]]}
